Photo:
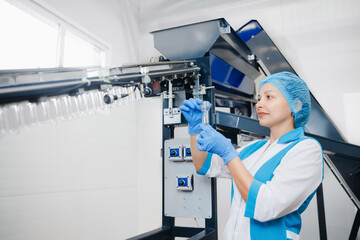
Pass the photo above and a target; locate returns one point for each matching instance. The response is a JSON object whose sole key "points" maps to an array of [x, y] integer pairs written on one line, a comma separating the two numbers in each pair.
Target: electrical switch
{"points": [[184, 183], [175, 153]]}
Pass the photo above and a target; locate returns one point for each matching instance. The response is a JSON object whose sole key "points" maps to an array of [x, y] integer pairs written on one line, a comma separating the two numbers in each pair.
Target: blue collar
{"points": [[292, 135]]}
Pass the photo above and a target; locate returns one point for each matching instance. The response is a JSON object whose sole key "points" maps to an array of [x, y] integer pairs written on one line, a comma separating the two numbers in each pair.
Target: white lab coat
{"points": [[295, 179]]}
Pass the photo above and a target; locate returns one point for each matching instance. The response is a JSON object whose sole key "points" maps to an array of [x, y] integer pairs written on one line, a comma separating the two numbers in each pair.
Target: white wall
{"points": [[81, 179], [320, 39], [71, 180], [149, 165]]}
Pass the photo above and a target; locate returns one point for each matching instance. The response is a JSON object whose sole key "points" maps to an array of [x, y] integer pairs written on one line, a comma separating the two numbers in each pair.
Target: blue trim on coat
{"points": [[251, 199], [245, 153], [292, 135], [276, 228], [232, 192], [248, 150], [205, 167]]}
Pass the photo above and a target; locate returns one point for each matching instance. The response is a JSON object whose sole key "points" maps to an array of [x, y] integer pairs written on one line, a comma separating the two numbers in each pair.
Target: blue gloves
{"points": [[193, 114], [210, 140]]}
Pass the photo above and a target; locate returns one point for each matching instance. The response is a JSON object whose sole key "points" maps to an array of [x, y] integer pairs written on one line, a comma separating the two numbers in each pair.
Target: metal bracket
{"points": [[171, 115]]}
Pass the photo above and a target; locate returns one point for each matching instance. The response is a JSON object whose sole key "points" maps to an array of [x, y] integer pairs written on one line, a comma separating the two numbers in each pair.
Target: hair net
{"points": [[296, 93]]}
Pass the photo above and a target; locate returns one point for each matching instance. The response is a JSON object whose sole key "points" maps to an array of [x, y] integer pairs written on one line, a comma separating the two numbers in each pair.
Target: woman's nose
{"points": [[258, 104]]}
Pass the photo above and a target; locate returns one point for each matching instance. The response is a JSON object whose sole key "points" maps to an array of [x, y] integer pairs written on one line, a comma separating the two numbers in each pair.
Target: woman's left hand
{"points": [[210, 140]]}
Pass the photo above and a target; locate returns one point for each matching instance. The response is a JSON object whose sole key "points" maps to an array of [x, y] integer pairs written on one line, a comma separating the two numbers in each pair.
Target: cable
{"points": [[197, 224]]}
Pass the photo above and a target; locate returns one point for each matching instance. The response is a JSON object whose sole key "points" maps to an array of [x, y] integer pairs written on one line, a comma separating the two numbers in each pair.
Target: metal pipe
{"points": [[156, 74], [321, 213], [14, 89], [197, 87], [154, 64], [40, 86], [170, 98]]}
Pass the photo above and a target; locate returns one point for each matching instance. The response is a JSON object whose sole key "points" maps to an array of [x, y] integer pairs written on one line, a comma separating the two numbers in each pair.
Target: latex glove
{"points": [[193, 114], [210, 140]]}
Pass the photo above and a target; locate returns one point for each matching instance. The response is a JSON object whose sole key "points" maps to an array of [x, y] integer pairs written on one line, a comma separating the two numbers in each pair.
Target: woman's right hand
{"points": [[193, 114]]}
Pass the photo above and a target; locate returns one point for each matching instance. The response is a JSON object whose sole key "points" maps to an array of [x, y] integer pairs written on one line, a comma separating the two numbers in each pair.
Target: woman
{"points": [[273, 180]]}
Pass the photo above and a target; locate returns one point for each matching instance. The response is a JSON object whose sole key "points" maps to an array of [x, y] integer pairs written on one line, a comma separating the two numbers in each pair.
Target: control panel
{"points": [[179, 153], [187, 194]]}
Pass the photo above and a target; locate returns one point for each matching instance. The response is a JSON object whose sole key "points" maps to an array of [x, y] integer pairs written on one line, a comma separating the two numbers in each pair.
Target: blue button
{"points": [[182, 182], [188, 152], [174, 152]]}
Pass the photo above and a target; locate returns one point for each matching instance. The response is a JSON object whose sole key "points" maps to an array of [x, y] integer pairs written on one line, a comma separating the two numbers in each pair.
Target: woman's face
{"points": [[272, 107]]}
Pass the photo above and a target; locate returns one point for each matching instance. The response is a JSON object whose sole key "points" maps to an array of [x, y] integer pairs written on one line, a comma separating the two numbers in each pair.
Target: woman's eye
{"points": [[269, 97]]}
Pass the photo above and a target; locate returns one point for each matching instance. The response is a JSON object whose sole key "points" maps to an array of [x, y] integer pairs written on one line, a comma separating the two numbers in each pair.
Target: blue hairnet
{"points": [[296, 93]]}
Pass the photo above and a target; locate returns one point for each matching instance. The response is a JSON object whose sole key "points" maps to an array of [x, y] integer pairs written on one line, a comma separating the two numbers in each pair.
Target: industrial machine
{"points": [[226, 65], [210, 61]]}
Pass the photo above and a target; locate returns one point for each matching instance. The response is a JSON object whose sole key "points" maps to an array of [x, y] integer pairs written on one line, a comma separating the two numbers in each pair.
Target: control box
{"points": [[172, 116], [187, 194], [175, 153], [184, 183]]}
